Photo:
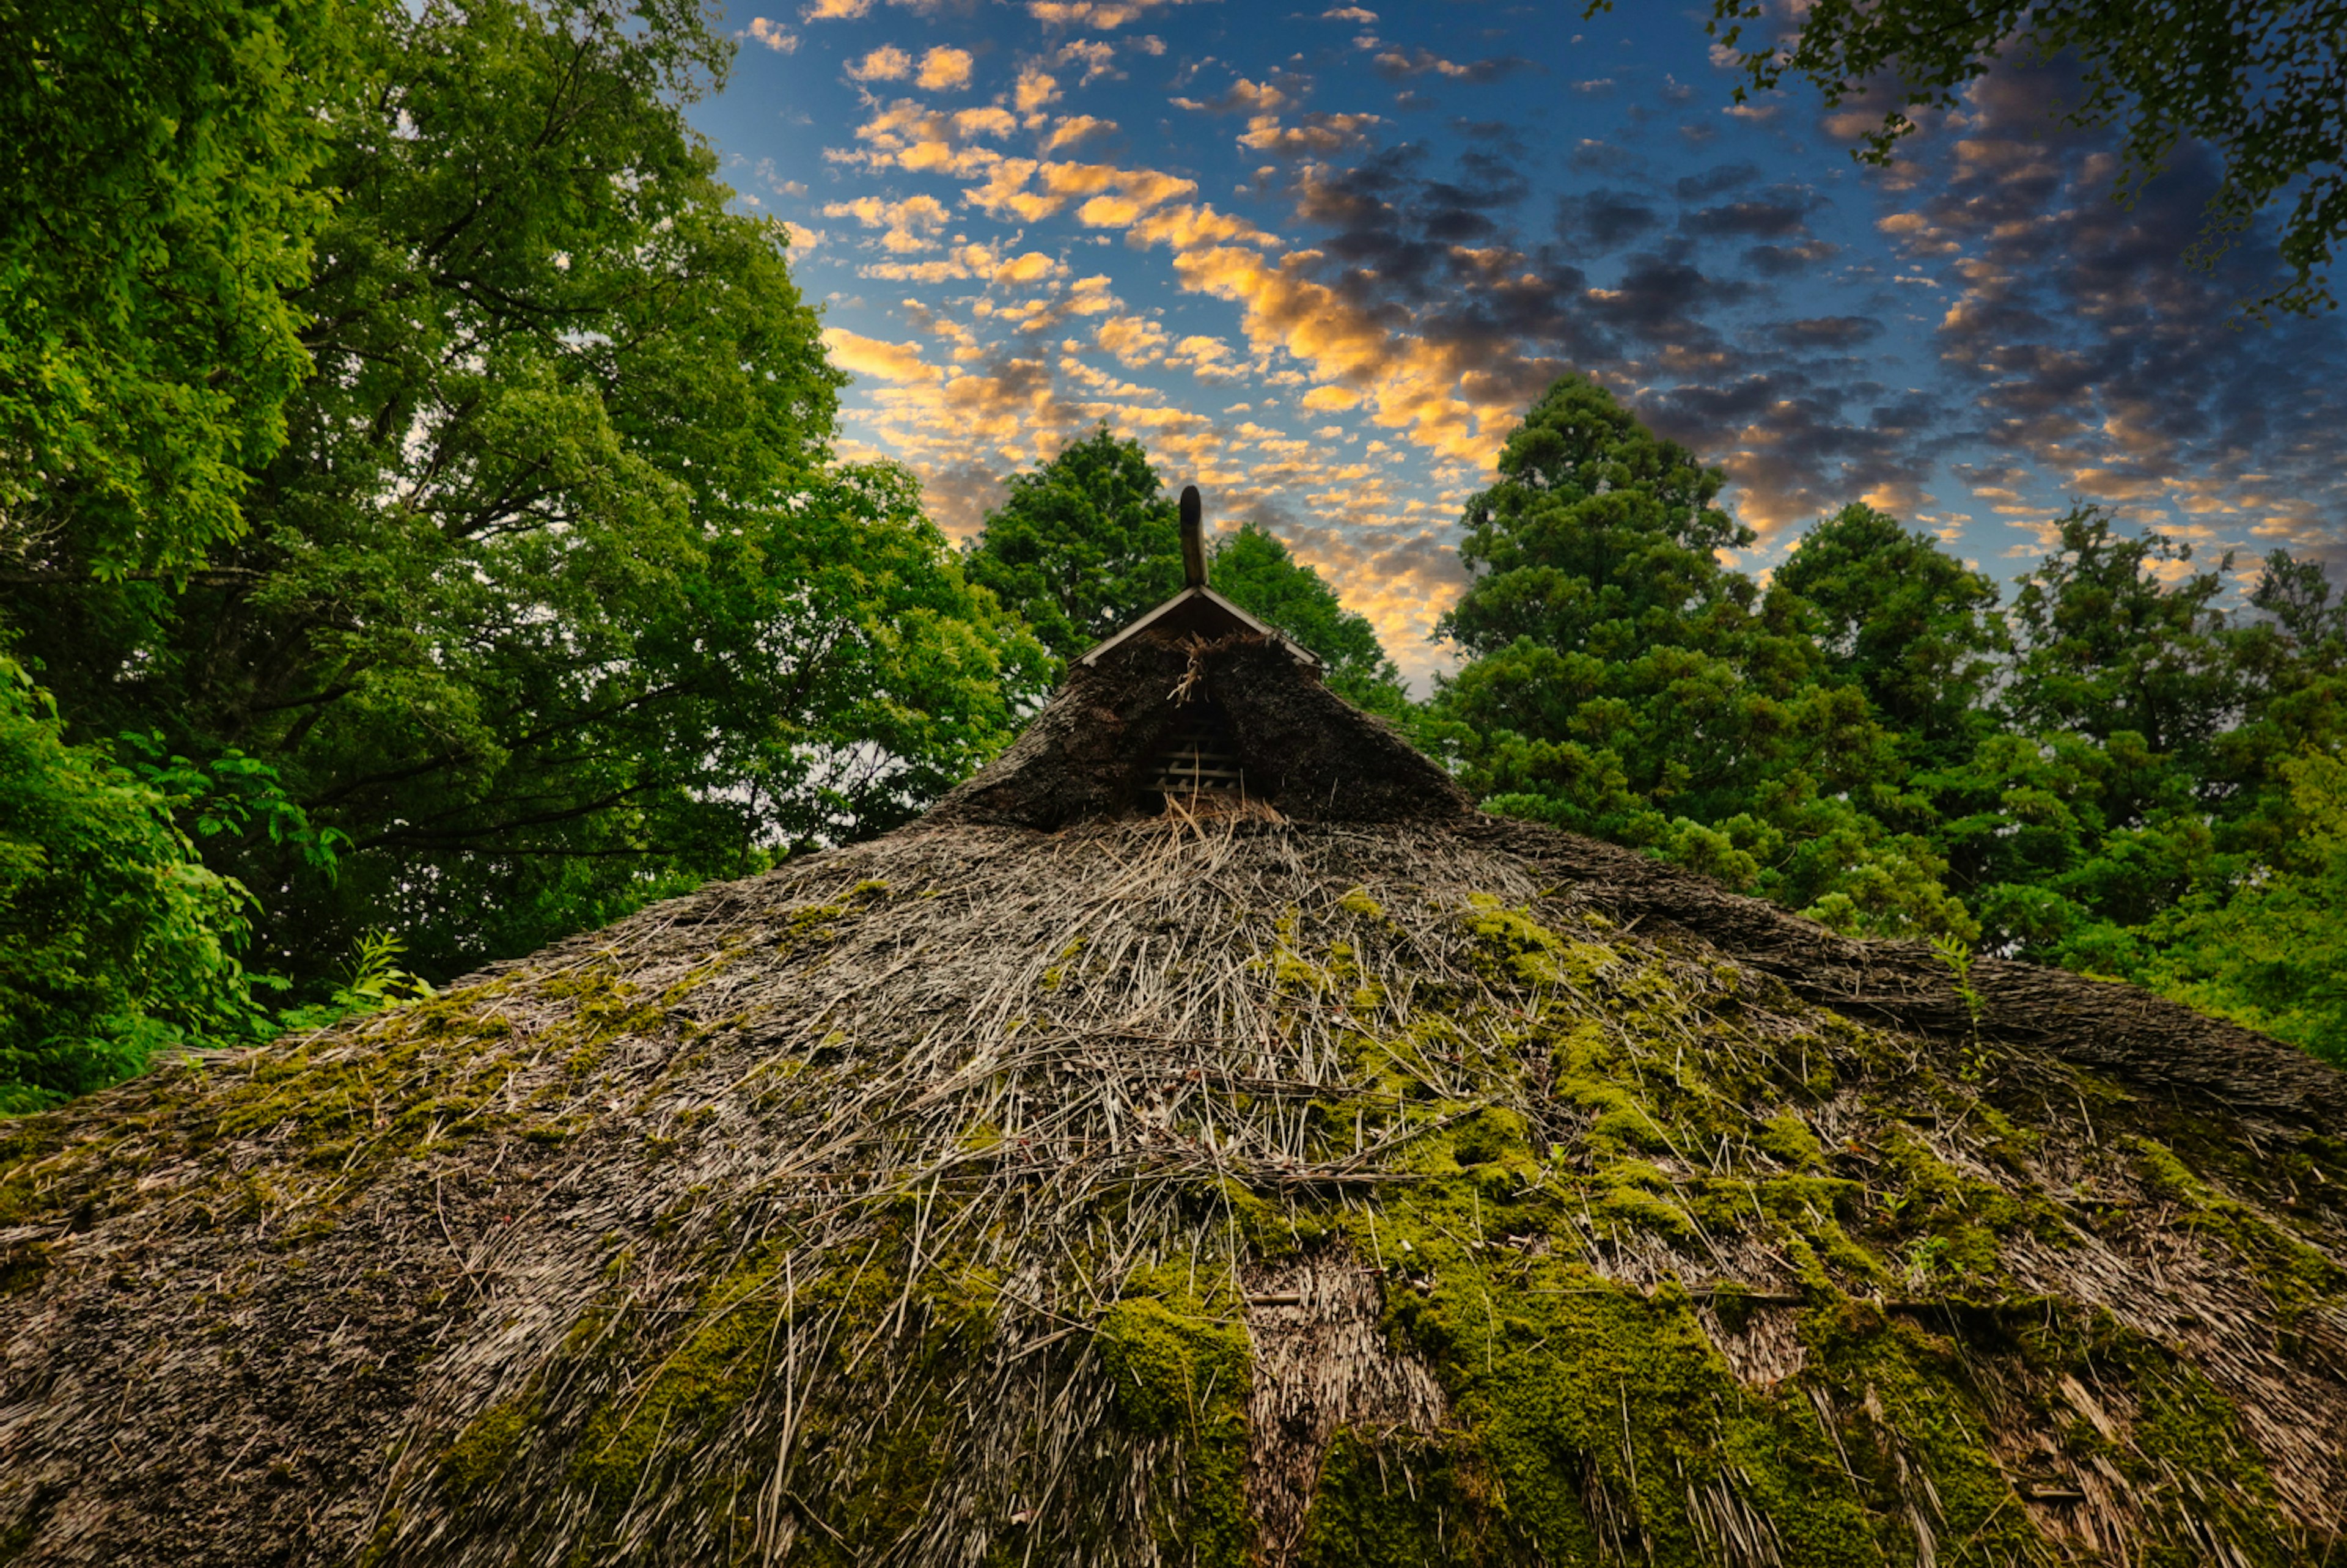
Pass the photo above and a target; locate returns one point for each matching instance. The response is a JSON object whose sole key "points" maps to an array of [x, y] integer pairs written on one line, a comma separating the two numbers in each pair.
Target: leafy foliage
{"points": [[529, 588], [2257, 80], [2114, 774], [155, 158], [554, 600], [115, 937], [1628, 685]]}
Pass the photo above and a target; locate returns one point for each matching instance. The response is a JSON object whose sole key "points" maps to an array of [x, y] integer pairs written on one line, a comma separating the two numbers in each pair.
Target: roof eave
{"points": [[1301, 654]]}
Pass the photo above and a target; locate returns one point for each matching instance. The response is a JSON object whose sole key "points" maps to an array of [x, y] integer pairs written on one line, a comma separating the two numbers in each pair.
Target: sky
{"points": [[1319, 260]]}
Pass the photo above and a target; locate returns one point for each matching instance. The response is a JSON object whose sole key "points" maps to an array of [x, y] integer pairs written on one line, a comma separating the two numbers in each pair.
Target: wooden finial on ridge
{"points": [[1193, 539]]}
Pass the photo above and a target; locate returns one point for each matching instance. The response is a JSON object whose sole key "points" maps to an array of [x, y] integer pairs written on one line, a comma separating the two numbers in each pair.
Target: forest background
{"points": [[421, 539]]}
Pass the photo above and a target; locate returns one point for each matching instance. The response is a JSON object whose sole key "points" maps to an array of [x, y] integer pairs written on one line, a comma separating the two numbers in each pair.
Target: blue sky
{"points": [[1319, 259]]}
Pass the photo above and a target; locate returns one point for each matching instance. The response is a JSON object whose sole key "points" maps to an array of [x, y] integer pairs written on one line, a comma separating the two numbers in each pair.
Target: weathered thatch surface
{"points": [[1311, 755], [1178, 1189]]}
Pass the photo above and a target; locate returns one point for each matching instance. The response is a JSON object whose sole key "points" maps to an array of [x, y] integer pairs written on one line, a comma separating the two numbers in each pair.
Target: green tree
{"points": [[116, 939], [2256, 80], [1082, 543], [1911, 626], [1624, 683], [2098, 800], [554, 599], [2269, 947], [1256, 572], [157, 160]]}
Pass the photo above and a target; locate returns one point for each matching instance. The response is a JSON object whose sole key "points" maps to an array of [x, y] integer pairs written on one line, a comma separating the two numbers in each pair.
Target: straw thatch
{"points": [[1332, 1175]]}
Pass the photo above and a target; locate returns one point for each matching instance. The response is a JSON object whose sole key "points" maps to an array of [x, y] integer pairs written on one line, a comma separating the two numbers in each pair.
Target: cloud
{"points": [[1031, 268], [1111, 198], [910, 136], [1826, 331], [911, 224], [885, 63], [1137, 341], [1599, 221], [1097, 58], [944, 69], [1075, 130], [834, 10], [1776, 218], [860, 355], [2099, 363], [1241, 96], [1036, 88], [1352, 13], [1399, 64], [1317, 136], [1105, 15], [774, 36], [803, 239]]}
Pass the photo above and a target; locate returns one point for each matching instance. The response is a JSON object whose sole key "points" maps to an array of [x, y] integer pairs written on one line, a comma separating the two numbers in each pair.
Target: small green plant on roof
{"points": [[1956, 954]]}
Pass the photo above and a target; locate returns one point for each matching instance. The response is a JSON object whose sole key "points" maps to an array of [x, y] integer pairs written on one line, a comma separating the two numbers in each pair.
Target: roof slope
{"points": [[1309, 752], [1168, 1190]]}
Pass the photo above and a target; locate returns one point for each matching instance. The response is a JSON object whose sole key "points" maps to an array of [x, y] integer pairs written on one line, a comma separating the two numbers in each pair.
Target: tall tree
{"points": [[2259, 81], [1624, 683], [1911, 624], [1082, 543], [155, 158], [2092, 806], [554, 599]]}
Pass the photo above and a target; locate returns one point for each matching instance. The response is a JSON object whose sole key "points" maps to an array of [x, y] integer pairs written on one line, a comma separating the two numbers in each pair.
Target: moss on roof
{"points": [[1261, 1187]]}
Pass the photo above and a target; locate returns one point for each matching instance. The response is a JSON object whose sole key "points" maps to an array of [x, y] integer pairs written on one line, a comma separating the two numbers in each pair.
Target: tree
{"points": [[2257, 80], [1624, 683], [157, 160], [2270, 948], [1256, 572], [116, 939], [554, 600], [1910, 624], [2095, 802], [1082, 543]]}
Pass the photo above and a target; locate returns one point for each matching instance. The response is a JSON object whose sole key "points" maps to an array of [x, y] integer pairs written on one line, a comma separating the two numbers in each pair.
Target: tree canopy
{"points": [[2116, 772], [545, 594], [157, 159]]}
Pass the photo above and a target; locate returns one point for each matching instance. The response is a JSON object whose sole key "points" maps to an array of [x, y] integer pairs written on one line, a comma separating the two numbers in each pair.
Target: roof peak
{"points": [[1199, 610]]}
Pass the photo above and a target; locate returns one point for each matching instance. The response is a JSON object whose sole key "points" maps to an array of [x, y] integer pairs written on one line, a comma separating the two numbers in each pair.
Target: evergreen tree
{"points": [[1624, 683], [1911, 626]]}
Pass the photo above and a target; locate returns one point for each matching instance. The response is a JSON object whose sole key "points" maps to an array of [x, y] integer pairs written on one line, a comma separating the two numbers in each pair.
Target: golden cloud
{"points": [[943, 69], [885, 63], [861, 356]]}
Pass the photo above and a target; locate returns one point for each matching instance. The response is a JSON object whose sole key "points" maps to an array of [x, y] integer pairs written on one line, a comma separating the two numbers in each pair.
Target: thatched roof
{"points": [[1083, 1176]]}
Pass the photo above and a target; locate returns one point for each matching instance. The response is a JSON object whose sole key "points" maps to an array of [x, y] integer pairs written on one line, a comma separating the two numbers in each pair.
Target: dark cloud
{"points": [[1590, 157], [1500, 134], [1663, 298], [1826, 331], [1778, 218], [1786, 260], [1600, 221], [1716, 181], [2099, 360]]}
